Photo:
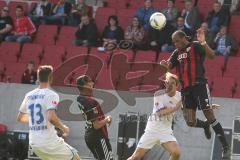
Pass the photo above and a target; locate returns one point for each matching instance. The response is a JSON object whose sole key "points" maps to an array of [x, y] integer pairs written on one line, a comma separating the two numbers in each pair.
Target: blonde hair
{"points": [[172, 76]]}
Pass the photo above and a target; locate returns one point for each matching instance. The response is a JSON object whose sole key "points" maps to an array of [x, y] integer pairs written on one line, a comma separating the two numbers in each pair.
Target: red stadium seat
{"points": [[160, 4], [234, 27], [2, 4], [103, 80], [105, 57], [9, 51], [233, 67], [12, 7], [31, 52], [117, 4], [222, 87], [214, 68], [164, 56], [14, 71], [145, 56], [135, 4], [74, 51], [46, 35], [101, 17], [52, 55], [125, 17], [66, 36]]}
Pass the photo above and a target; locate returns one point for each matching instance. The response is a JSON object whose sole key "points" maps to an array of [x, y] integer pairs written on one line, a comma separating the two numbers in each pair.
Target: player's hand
{"points": [[164, 63], [66, 131], [215, 106], [109, 119], [201, 35]]}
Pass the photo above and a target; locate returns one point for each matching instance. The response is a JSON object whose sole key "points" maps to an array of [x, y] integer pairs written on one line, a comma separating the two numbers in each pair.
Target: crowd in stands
{"points": [[22, 27]]}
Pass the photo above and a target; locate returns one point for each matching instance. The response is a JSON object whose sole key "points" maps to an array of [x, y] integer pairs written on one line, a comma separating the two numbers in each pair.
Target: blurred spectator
{"points": [[237, 10], [81, 8], [60, 13], [87, 32], [191, 16], [30, 75], [39, 11], [6, 23], [216, 18], [231, 4], [181, 26], [23, 28], [224, 43], [144, 13], [171, 12], [135, 33], [112, 33], [209, 36], [161, 40]]}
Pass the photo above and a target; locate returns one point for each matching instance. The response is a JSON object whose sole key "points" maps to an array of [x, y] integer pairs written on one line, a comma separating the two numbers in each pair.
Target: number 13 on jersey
{"points": [[36, 114]]}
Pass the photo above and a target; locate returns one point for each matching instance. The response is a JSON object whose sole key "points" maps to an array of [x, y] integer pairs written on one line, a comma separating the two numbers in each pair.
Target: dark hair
{"points": [[44, 73], [82, 80], [180, 34], [19, 7], [139, 21], [115, 18]]}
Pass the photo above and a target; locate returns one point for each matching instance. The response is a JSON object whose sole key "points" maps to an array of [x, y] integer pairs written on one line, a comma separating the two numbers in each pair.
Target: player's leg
{"points": [[190, 102], [205, 103], [146, 142], [100, 148], [173, 149], [138, 154]]}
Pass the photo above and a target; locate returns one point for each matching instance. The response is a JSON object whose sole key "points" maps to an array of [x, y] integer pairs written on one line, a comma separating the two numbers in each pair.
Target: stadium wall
{"points": [[192, 141]]}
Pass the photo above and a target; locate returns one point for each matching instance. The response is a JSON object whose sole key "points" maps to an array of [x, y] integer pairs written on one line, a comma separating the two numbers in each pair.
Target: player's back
{"points": [[36, 104]]}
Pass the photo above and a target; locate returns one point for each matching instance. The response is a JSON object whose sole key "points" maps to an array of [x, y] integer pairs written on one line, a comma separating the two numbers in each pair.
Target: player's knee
{"points": [[176, 153], [190, 123]]}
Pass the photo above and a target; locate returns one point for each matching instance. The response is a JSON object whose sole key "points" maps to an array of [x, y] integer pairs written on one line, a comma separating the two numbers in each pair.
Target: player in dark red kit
{"points": [[96, 134], [188, 59]]}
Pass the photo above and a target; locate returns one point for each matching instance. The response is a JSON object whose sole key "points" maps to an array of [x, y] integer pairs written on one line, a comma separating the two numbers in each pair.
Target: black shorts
{"points": [[100, 148], [197, 96]]}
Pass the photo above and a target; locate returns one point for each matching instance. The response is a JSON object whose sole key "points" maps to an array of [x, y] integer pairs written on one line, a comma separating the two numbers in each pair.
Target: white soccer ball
{"points": [[158, 20]]}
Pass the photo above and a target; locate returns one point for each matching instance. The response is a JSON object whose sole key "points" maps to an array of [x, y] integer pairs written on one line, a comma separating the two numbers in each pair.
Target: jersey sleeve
{"points": [[198, 48], [23, 107], [158, 103], [173, 59], [52, 101]]}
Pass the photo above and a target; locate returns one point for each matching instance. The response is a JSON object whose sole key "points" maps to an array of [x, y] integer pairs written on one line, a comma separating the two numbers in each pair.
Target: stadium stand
{"points": [[101, 17], [46, 35], [54, 44], [32, 52]]}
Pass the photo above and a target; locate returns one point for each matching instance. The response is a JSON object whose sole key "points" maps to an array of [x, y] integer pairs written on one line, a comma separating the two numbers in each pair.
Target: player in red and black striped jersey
{"points": [[188, 59], [96, 134]]}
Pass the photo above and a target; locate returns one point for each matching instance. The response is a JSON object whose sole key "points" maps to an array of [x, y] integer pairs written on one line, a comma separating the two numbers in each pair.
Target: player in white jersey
{"points": [[159, 126], [39, 110]]}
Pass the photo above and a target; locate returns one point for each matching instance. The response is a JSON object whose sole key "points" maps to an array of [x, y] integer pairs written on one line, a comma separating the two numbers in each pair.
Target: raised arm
{"points": [[210, 54]]}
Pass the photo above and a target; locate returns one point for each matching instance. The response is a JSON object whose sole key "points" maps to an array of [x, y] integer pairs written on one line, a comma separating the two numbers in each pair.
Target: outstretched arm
{"points": [[201, 38]]}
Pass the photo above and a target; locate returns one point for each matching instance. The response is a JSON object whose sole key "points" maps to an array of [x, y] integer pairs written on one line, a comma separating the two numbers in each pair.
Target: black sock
{"points": [[219, 133], [201, 124]]}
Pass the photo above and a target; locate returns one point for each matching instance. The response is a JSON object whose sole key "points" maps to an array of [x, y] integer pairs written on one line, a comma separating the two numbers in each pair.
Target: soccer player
{"points": [[96, 134], [188, 59], [39, 109], [159, 126]]}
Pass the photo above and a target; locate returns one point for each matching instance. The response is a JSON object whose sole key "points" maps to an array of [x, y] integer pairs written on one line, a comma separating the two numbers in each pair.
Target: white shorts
{"points": [[148, 140], [58, 150]]}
